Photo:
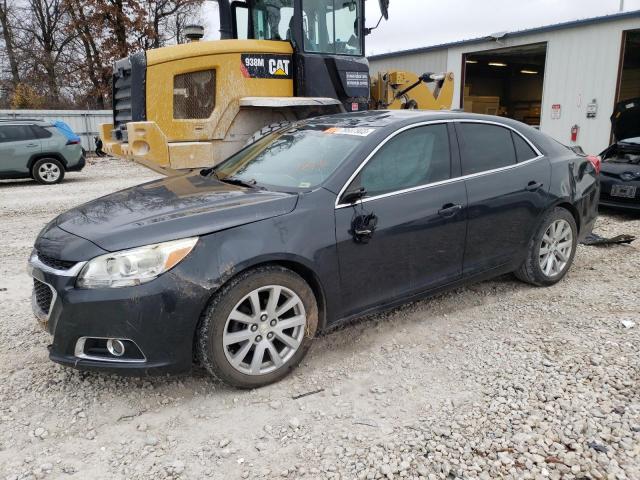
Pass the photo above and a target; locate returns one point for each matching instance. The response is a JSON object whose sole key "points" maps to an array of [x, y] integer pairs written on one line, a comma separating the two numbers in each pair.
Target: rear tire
{"points": [[551, 250], [47, 171], [269, 311], [269, 129]]}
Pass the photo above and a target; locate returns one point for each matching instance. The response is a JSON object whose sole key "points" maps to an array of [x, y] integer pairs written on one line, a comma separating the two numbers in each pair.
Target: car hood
{"points": [[171, 208], [625, 120]]}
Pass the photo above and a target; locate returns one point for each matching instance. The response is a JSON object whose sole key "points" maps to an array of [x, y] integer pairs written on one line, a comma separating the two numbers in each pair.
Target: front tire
{"points": [[551, 250], [258, 327], [48, 171]]}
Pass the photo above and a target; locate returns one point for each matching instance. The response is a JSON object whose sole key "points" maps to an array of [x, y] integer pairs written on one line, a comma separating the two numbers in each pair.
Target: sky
{"points": [[421, 23]]}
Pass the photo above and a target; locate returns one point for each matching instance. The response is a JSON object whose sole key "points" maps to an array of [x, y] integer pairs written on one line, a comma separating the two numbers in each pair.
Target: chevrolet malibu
{"points": [[241, 265]]}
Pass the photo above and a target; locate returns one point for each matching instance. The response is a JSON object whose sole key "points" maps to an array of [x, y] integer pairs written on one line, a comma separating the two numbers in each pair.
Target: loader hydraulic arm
{"points": [[425, 78], [407, 90]]}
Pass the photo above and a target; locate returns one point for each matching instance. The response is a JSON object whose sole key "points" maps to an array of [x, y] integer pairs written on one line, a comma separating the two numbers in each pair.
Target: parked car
{"points": [[37, 149], [329, 219], [621, 161]]}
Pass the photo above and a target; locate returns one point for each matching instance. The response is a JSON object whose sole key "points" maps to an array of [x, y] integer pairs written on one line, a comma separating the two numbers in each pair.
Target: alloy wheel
{"points": [[49, 172], [264, 330], [556, 248]]}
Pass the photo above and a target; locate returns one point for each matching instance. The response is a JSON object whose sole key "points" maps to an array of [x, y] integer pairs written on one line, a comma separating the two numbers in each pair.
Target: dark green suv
{"points": [[37, 149]]}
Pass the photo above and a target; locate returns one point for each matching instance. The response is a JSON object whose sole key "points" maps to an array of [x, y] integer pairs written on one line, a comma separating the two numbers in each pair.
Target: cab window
{"points": [[264, 20], [332, 26]]}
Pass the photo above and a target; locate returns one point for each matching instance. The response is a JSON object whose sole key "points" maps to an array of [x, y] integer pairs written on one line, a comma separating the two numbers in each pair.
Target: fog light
{"points": [[115, 347]]}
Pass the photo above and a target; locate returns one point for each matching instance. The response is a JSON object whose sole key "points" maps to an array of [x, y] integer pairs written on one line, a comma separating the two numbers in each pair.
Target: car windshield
{"points": [[299, 157]]}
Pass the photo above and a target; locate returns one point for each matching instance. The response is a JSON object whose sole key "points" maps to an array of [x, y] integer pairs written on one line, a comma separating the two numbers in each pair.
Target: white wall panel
{"points": [[433, 62], [582, 64]]}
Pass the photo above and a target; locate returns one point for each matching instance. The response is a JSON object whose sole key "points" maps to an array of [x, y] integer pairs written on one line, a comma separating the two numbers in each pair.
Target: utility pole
{"points": [[622, 5]]}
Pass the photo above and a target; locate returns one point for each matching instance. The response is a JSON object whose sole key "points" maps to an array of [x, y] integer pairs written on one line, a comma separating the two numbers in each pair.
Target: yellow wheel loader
{"points": [[193, 105]]}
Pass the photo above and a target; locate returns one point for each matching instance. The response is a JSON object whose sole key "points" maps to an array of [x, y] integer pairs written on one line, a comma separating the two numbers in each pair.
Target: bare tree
{"points": [[188, 15], [46, 41], [167, 19], [61, 52], [9, 46]]}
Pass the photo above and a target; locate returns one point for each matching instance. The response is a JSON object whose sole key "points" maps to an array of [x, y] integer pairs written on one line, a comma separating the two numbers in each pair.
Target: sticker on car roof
{"points": [[357, 131]]}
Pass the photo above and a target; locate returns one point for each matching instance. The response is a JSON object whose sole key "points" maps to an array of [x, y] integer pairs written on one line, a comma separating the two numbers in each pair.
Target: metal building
{"points": [[564, 78]]}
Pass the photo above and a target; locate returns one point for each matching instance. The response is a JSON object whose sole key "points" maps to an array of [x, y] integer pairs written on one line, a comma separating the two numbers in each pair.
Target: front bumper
{"points": [[159, 317], [146, 144]]}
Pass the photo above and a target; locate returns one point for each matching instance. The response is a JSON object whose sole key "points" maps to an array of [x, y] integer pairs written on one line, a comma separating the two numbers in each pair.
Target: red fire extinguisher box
{"points": [[574, 133]]}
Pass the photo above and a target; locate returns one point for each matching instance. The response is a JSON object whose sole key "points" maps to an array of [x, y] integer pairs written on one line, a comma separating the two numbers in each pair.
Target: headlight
{"points": [[135, 266]]}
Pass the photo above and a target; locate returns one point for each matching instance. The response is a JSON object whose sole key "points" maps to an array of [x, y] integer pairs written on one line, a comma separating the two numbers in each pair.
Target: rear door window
{"points": [[524, 151], [484, 147], [41, 132], [418, 156], [15, 133]]}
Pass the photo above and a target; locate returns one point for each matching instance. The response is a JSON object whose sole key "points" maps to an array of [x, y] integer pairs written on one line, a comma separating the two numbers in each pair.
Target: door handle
{"points": [[449, 210], [532, 186], [32, 144]]}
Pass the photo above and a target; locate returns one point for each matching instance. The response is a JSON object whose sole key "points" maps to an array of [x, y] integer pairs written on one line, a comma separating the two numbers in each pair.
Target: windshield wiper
{"points": [[231, 180], [238, 181]]}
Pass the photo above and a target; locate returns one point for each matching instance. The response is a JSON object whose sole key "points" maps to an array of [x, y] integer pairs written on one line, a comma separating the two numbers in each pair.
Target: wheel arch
{"points": [[298, 266], [572, 209], [295, 264], [39, 156]]}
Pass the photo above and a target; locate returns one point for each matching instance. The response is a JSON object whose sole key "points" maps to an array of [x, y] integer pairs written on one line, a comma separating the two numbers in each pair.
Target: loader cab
{"points": [[327, 37]]}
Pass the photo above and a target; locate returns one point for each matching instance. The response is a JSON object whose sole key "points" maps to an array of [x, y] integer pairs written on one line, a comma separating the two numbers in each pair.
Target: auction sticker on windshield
{"points": [[358, 131]]}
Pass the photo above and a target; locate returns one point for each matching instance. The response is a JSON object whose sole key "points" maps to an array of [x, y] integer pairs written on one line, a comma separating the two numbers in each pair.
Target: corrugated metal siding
{"points": [[433, 62], [582, 64], [84, 122]]}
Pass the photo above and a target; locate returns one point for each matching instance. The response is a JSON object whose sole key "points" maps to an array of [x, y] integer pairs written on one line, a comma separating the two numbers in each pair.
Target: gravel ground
{"points": [[497, 380]]}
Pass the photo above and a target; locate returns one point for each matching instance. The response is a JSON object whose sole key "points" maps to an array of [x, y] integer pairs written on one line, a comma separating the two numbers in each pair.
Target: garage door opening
{"points": [[629, 86], [506, 82]]}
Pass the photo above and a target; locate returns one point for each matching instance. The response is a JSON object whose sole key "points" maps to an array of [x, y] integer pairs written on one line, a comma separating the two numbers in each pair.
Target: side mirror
{"points": [[577, 149], [352, 196], [384, 8]]}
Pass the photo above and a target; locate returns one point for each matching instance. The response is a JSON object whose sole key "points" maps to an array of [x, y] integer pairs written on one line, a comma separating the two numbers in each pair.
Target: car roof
{"points": [[386, 121], [22, 121], [396, 118]]}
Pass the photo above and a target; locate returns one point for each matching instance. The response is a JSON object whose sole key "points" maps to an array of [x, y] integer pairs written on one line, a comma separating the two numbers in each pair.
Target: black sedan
{"points": [[333, 218], [621, 161]]}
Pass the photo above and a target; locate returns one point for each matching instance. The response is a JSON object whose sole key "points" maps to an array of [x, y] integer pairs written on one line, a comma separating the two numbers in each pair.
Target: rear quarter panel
{"points": [[56, 146], [574, 181]]}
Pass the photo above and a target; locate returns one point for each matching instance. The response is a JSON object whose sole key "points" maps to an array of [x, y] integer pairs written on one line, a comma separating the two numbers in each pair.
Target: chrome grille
{"points": [[43, 296], [55, 263]]}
